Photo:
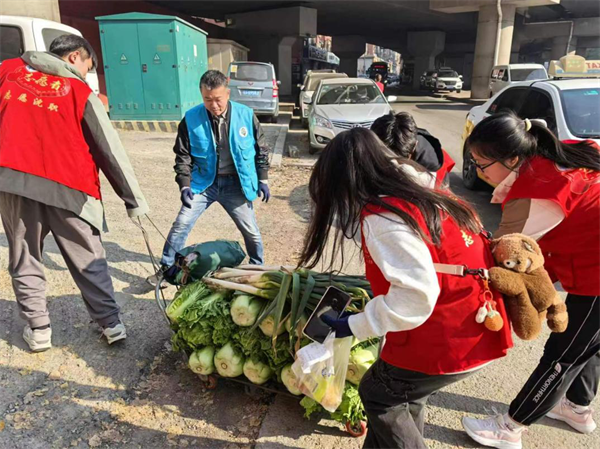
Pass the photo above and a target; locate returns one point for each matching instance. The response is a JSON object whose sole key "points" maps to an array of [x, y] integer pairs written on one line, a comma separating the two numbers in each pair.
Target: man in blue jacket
{"points": [[221, 156]]}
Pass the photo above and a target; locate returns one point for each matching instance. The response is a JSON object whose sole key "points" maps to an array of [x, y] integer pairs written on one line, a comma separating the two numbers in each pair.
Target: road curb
{"points": [[160, 126]]}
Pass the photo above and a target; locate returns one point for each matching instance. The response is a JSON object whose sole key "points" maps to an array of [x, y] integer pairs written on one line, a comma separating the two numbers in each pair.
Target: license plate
{"points": [[251, 93]]}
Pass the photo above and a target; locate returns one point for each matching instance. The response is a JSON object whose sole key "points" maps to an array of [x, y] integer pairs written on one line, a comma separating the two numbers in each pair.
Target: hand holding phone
{"points": [[330, 307]]}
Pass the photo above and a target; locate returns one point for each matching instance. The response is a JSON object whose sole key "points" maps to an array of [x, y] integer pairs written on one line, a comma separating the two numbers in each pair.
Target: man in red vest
{"points": [[55, 136]]}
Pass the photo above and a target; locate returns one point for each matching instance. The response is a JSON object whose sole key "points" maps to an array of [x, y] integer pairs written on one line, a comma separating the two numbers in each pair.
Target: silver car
{"points": [[344, 103], [308, 89], [254, 84]]}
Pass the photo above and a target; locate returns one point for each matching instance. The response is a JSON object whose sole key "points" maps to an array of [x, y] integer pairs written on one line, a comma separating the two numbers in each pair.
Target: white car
{"points": [[504, 75], [342, 104], [311, 82], [445, 79], [570, 107], [21, 34]]}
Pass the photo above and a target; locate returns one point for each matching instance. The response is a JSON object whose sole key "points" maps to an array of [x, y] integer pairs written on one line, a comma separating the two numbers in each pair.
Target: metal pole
{"points": [[498, 31]]}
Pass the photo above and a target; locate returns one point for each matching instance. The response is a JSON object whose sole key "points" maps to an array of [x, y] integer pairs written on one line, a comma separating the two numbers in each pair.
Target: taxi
{"points": [[569, 102]]}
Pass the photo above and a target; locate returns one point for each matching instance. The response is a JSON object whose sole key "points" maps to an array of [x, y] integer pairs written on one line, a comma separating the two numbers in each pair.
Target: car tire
{"points": [[273, 119], [305, 123], [469, 173], [459, 91], [313, 150]]}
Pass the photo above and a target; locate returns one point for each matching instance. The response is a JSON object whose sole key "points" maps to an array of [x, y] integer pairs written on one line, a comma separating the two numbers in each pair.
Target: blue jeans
{"points": [[227, 191]]}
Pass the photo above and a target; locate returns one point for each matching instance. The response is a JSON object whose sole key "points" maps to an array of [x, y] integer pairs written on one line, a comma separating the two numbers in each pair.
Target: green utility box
{"points": [[152, 64]]}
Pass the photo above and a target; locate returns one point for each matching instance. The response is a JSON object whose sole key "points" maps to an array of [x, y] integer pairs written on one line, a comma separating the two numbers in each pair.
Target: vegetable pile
{"points": [[248, 320]]}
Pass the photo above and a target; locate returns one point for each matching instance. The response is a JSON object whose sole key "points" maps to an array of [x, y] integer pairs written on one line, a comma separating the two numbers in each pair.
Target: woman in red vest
{"points": [[549, 190], [410, 236]]}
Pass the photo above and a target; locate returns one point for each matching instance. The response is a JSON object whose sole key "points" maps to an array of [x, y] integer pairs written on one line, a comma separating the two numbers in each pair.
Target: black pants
{"points": [[394, 400], [570, 364]]}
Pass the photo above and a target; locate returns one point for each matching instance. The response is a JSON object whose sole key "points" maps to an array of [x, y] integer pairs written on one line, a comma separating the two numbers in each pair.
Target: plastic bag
{"points": [[321, 370]]}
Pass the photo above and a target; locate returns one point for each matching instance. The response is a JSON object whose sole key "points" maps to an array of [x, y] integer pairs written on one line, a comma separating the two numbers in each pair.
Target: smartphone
{"points": [[332, 304]]}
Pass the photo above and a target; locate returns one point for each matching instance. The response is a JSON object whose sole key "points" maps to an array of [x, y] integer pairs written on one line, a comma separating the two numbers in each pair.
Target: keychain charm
{"points": [[487, 313], [481, 314]]}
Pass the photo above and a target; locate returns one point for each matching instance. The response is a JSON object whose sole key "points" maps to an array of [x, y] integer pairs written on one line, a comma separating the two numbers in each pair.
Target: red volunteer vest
{"points": [[446, 168], [450, 340], [40, 127], [572, 249]]}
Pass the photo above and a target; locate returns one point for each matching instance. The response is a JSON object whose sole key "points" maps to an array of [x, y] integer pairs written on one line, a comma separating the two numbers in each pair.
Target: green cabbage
{"points": [[201, 361], [290, 380], [267, 326], [186, 297], [229, 362], [257, 372], [245, 309], [360, 361]]}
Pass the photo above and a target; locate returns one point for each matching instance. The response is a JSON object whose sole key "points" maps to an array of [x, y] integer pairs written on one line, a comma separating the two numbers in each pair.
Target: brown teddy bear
{"points": [[529, 293]]}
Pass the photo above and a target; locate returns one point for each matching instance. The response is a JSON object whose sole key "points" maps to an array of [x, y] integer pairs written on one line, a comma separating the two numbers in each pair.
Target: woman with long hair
{"points": [[425, 257], [549, 190]]}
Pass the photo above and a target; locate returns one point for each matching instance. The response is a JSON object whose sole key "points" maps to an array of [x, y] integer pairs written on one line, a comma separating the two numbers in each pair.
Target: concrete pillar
{"points": [[562, 47], [485, 45], [348, 49], [284, 64], [42, 9], [425, 46]]}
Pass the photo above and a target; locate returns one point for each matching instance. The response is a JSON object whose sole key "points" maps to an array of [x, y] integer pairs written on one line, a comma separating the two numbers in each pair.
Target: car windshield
{"points": [[250, 72], [313, 80], [350, 94], [582, 112], [447, 74], [527, 74]]}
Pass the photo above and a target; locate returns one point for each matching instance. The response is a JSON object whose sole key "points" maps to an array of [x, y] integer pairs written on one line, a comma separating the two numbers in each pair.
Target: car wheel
{"points": [[458, 91], [273, 118], [304, 123], [313, 150], [469, 173]]}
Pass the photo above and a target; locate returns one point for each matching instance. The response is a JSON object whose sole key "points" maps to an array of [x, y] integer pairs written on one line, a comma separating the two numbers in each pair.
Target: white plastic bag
{"points": [[321, 370]]}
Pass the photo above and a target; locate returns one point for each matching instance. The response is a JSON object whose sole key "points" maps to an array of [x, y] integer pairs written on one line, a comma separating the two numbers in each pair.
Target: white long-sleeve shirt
{"points": [[532, 217], [406, 263]]}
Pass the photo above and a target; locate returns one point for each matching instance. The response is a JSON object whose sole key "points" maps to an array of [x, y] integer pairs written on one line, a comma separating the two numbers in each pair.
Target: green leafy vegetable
{"points": [[201, 361], [257, 372], [186, 297], [229, 362], [245, 309]]}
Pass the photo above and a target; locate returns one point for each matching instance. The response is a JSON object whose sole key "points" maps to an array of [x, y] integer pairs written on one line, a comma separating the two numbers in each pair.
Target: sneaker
{"points": [[115, 333], [493, 432], [580, 420], [156, 277], [38, 340]]}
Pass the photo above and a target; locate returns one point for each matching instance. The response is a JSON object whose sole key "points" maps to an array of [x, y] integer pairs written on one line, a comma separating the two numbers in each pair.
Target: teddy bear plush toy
{"points": [[529, 294]]}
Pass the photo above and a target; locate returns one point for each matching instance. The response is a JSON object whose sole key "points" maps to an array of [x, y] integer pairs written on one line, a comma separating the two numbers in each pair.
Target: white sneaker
{"points": [[493, 432], [580, 420], [115, 333], [38, 340]]}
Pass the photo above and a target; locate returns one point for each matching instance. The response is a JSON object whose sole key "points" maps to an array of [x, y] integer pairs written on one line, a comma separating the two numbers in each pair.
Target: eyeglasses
{"points": [[482, 167]]}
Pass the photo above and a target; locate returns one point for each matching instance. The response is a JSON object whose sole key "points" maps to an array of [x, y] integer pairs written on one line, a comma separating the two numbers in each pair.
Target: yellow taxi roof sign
{"points": [[573, 66]]}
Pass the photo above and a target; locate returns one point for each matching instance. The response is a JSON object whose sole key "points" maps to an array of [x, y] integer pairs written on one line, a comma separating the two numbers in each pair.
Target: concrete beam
{"points": [[295, 21], [43, 9], [460, 6]]}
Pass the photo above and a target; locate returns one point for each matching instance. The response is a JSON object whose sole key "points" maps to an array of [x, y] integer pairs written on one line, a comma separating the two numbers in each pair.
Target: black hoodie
{"points": [[428, 152]]}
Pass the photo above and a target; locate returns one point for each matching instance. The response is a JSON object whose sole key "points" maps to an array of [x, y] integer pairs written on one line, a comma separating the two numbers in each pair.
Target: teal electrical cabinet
{"points": [[152, 65]]}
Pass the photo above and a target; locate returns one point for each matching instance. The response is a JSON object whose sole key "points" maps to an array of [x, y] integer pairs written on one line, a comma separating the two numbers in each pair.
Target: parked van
{"points": [[21, 34], [504, 75], [254, 85]]}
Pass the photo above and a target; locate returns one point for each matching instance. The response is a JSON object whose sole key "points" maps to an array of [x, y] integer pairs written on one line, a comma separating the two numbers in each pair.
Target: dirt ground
{"points": [[139, 394]]}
